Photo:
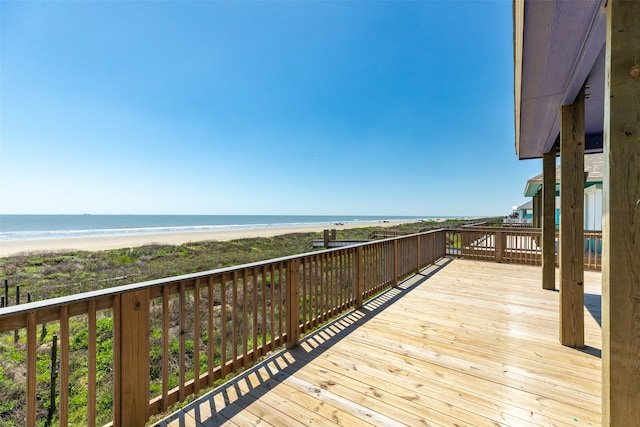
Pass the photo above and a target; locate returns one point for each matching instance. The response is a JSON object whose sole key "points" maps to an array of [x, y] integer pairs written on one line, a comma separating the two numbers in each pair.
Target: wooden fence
{"points": [[513, 245], [172, 337]]}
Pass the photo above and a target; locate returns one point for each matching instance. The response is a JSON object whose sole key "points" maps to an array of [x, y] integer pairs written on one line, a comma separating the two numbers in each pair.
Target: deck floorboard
{"points": [[465, 343]]}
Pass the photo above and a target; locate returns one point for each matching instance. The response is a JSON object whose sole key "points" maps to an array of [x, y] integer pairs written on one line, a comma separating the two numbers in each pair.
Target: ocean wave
{"points": [[107, 232]]}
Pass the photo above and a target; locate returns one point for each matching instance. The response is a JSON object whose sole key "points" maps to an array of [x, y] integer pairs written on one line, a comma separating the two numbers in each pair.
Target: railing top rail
{"points": [[494, 229], [475, 224], [86, 296]]}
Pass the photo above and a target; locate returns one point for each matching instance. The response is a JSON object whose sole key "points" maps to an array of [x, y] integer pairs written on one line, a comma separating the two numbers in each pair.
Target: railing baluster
{"points": [[281, 276], [211, 356], [223, 324], [334, 285], [245, 323], [245, 320], [32, 346], [64, 366], [272, 307], [165, 347], [264, 309], [196, 336], [92, 364], [234, 323], [304, 304], [254, 293], [183, 347]]}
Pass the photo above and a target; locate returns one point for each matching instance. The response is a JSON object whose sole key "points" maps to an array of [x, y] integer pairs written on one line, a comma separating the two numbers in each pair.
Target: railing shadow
{"points": [[230, 399]]}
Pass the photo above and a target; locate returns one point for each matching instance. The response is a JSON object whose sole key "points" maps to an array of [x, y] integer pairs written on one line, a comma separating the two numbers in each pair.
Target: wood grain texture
{"points": [[134, 358], [572, 222], [621, 214], [465, 343]]}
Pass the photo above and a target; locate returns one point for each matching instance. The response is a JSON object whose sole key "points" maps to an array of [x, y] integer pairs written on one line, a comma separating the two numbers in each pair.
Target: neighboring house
{"points": [[522, 213], [594, 171]]}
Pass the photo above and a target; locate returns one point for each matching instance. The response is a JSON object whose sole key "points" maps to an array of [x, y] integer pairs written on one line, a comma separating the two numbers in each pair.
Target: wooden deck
{"points": [[465, 343]]}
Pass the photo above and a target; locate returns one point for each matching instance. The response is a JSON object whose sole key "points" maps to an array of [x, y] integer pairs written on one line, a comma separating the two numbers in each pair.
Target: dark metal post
{"points": [[16, 333]]}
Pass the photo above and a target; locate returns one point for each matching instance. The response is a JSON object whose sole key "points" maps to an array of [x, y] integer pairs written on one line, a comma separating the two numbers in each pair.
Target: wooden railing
{"points": [[500, 225], [175, 336], [513, 245], [385, 234]]}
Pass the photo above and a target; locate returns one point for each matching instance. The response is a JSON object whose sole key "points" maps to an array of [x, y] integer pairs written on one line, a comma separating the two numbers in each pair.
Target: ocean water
{"points": [[28, 227]]}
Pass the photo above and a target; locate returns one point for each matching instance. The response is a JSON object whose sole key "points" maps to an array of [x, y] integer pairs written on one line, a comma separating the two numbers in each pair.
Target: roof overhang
{"points": [[558, 48], [594, 173]]}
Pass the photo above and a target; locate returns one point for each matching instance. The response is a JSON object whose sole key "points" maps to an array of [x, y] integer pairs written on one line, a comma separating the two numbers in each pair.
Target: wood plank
{"points": [[416, 392], [621, 214], [307, 397], [441, 351]]}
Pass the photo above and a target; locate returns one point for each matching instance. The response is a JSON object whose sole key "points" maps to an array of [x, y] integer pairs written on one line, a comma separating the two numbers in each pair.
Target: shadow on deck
{"points": [[463, 343]]}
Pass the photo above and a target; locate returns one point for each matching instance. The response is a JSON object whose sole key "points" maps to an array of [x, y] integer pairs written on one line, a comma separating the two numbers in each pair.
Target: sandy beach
{"points": [[8, 248]]}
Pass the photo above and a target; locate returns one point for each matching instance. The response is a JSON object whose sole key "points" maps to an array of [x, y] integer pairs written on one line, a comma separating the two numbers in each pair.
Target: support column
{"points": [[621, 218], [572, 223], [549, 220], [537, 209]]}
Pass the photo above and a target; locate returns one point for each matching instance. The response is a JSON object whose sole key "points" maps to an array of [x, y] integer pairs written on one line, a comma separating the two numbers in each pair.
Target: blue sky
{"points": [[275, 107]]}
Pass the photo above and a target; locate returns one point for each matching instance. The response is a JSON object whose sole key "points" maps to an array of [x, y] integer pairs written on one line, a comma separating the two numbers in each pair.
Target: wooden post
{"points": [[549, 220], [537, 209], [501, 245], [293, 303], [572, 223], [358, 280], [131, 358], [417, 254], [16, 333], [326, 239], [395, 262], [621, 214]]}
